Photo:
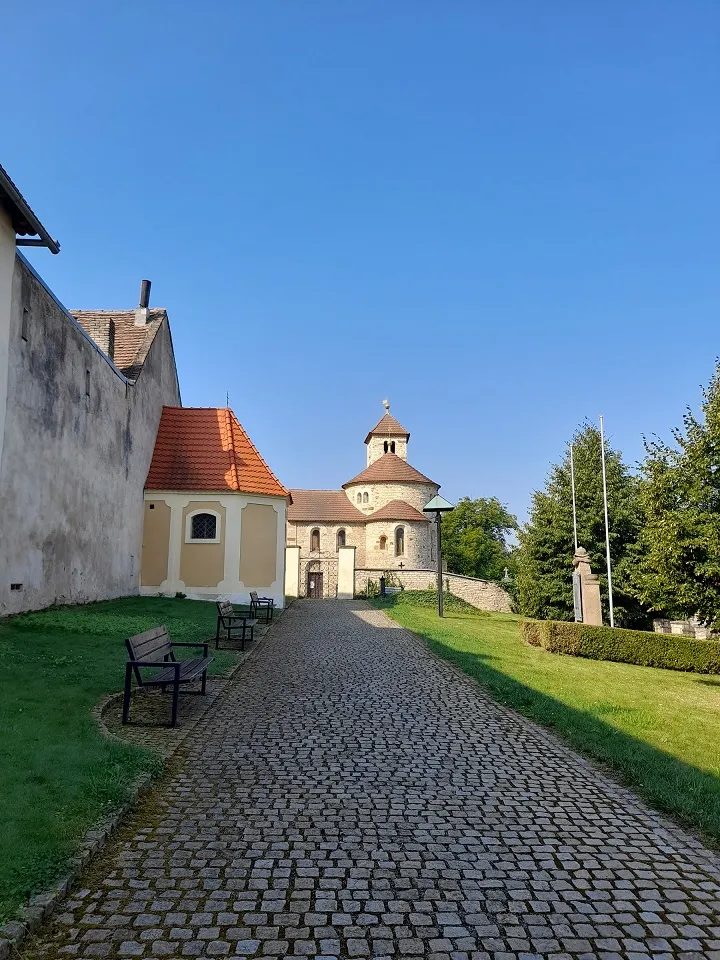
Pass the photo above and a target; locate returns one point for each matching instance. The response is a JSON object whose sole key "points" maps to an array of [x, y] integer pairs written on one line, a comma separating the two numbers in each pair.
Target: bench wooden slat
{"points": [[189, 669], [151, 645]]}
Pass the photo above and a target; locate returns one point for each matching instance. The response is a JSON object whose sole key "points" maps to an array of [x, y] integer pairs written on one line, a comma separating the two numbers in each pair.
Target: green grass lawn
{"points": [[58, 774], [658, 729]]}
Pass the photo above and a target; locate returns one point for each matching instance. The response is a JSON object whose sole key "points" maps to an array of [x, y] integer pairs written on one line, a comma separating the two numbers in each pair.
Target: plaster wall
{"points": [[73, 465], [7, 266], [245, 543], [292, 572]]}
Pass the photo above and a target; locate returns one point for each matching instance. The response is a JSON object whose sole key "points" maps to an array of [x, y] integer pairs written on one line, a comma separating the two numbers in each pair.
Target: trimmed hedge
{"points": [[669, 651]]}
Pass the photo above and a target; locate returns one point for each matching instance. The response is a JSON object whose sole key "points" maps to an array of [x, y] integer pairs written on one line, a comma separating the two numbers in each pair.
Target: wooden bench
{"points": [[232, 621], [154, 649], [261, 605]]}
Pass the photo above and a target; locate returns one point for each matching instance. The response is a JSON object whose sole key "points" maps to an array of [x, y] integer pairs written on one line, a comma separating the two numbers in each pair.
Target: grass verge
{"points": [[58, 774], [658, 729]]}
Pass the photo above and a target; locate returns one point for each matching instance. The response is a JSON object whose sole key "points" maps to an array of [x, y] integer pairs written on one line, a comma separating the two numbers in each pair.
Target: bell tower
{"points": [[387, 436]]}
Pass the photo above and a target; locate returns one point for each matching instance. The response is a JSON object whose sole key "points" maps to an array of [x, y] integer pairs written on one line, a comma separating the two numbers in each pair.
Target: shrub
{"points": [[624, 646]]}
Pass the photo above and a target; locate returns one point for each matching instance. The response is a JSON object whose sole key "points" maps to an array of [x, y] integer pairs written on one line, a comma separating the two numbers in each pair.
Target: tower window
{"points": [[400, 542], [359, 498], [365, 498], [340, 539], [392, 446], [87, 383], [385, 446], [315, 541], [25, 324]]}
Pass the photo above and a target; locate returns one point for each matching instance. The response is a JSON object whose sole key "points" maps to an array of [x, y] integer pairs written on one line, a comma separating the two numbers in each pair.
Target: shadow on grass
{"points": [[669, 784]]}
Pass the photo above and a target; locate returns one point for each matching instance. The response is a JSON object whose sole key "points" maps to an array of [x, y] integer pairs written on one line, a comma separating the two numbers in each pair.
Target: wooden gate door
{"points": [[315, 585]]}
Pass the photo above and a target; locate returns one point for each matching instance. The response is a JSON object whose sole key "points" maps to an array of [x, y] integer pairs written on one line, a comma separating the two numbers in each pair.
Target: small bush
{"points": [[640, 647]]}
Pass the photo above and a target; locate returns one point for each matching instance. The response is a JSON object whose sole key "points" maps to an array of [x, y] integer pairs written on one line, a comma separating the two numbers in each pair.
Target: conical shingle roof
{"points": [[387, 426], [390, 468]]}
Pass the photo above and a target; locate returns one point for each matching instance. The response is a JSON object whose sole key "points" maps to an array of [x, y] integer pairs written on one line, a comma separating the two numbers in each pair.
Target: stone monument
{"points": [[589, 588]]}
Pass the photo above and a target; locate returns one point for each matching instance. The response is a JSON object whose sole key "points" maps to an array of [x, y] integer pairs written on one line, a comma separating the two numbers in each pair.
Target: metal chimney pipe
{"points": [[145, 293]]}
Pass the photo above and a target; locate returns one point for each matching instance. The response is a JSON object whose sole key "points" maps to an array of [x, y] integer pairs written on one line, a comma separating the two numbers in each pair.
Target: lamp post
{"points": [[438, 505]]}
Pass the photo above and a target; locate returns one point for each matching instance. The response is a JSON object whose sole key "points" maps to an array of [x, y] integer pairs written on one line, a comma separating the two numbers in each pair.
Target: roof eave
{"points": [[23, 219]]}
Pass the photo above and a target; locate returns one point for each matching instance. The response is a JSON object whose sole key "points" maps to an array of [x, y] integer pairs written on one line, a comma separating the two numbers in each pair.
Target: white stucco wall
{"points": [[231, 587], [73, 466]]}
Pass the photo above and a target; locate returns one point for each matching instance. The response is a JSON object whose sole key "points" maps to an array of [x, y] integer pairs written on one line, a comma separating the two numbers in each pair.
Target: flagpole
{"points": [[572, 482], [607, 527]]}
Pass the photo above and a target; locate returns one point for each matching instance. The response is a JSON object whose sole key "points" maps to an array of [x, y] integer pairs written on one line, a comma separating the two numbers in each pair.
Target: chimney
{"points": [[103, 333], [141, 312]]}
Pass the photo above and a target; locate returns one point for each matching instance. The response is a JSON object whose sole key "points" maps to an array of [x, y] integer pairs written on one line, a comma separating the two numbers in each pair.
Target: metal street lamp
{"points": [[438, 505]]}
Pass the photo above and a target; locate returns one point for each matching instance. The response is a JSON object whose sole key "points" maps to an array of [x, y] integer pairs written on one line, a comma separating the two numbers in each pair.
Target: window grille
{"points": [[204, 526]]}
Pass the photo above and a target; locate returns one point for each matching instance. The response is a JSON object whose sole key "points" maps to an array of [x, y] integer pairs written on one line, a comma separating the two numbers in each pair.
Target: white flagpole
{"points": [[572, 481], [607, 527]]}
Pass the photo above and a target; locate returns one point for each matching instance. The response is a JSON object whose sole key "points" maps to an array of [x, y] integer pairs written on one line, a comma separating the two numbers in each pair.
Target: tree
{"points": [[678, 571], [544, 576], [475, 538]]}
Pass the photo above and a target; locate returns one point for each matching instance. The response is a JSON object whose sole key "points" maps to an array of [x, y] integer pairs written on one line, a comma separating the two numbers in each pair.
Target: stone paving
{"points": [[350, 796]]}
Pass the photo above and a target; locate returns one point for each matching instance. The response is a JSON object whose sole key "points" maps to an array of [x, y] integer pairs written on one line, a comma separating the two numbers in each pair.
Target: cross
{"points": [[401, 565]]}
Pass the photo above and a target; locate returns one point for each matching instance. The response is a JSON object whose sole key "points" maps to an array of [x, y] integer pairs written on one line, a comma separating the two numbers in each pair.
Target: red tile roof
{"points": [[390, 468], [396, 510], [205, 448], [387, 426], [323, 506], [131, 342]]}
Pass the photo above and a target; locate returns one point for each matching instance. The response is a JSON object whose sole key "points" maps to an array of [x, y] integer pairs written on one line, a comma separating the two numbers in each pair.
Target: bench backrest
{"points": [[253, 595], [152, 645], [224, 608]]}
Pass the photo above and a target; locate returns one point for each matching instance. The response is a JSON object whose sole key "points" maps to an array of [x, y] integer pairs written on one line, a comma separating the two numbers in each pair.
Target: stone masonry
{"points": [[482, 594], [351, 796]]}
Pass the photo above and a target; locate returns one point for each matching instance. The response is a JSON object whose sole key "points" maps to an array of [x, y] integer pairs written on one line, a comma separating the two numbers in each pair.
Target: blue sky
{"points": [[504, 216]]}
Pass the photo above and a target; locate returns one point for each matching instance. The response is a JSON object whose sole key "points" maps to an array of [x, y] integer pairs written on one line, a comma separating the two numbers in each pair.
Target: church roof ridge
{"points": [[390, 468]]}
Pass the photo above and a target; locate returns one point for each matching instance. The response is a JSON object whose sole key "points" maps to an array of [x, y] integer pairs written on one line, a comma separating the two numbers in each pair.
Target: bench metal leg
{"points": [[176, 697], [126, 697]]}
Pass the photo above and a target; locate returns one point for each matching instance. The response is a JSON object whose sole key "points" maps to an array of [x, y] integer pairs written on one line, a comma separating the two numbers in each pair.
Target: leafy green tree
{"points": [[476, 538], [544, 562], [679, 550]]}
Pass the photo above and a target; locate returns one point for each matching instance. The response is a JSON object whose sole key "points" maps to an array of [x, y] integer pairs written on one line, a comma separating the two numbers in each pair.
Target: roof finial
{"points": [[386, 404]]}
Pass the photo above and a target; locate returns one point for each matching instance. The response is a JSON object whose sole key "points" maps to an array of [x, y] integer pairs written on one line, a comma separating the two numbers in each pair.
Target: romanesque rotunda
{"points": [[378, 512]]}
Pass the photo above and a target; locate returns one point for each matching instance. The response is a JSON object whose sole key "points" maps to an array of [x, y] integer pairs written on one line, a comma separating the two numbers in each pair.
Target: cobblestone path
{"points": [[351, 796]]}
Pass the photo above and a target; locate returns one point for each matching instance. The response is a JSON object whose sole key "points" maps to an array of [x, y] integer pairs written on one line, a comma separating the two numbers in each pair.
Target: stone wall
{"points": [[299, 535], [482, 594], [376, 448], [77, 443], [418, 542], [416, 494]]}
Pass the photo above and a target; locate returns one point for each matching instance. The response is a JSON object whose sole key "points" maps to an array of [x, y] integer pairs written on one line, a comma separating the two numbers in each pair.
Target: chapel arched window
{"points": [[315, 540], [203, 526], [365, 498], [340, 539], [400, 542]]}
